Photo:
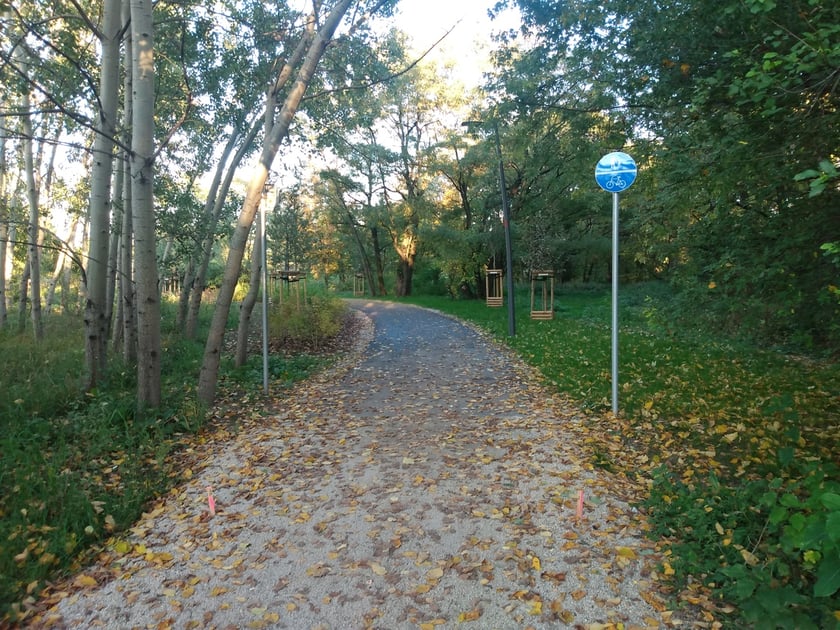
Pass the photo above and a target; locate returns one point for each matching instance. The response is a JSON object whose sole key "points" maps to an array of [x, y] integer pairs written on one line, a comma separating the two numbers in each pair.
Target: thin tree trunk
{"points": [[60, 264], [33, 225], [24, 292], [213, 348], [114, 248], [96, 324], [246, 309], [4, 239], [377, 261], [143, 210], [4, 217], [128, 319], [213, 209]]}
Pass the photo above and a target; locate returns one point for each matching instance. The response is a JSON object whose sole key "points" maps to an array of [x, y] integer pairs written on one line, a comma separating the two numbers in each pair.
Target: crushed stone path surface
{"points": [[430, 482]]}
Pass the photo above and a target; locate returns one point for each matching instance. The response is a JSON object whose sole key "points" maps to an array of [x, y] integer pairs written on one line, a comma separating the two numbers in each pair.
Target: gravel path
{"points": [[429, 482]]}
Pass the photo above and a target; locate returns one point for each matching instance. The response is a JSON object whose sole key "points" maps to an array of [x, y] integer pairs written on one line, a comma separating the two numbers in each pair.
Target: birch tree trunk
{"points": [[96, 324], [142, 201], [213, 348], [128, 311], [33, 224], [4, 216]]}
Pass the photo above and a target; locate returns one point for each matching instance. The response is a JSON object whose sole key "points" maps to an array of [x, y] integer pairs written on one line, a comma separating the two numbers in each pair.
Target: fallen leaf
{"points": [[320, 570], [626, 552], [472, 615], [435, 574], [84, 581]]}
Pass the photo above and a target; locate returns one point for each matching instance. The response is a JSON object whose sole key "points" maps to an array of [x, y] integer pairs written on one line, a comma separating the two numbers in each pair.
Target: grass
{"points": [[734, 445], [77, 468]]}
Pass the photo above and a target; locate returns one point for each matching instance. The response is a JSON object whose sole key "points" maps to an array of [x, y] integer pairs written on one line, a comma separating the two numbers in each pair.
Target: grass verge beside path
{"points": [[735, 445], [76, 469]]}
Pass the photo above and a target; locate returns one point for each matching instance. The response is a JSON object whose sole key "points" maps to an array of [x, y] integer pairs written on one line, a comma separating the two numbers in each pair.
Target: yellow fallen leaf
{"points": [[535, 564], [218, 590], [749, 557], [122, 547], [536, 608], [626, 552], [378, 568], [719, 528], [84, 581], [667, 569], [434, 574], [472, 615], [47, 559], [319, 570]]}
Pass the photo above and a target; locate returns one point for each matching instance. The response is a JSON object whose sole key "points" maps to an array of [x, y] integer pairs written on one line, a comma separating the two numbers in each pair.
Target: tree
{"points": [[99, 212], [142, 203], [726, 103], [274, 136]]}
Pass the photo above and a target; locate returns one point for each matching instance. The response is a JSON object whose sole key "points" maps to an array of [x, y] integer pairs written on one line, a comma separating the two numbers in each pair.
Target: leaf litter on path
{"points": [[431, 482]]}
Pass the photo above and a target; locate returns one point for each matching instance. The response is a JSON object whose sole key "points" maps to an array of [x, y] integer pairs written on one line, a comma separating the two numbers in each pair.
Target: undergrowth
{"points": [[76, 468]]}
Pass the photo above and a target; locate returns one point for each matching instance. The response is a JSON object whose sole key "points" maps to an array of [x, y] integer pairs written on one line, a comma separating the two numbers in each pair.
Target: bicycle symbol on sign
{"points": [[616, 181]]}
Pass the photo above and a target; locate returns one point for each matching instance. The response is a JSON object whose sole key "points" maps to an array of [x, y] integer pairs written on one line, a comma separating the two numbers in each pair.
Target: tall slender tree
{"points": [[99, 213], [143, 210], [271, 145]]}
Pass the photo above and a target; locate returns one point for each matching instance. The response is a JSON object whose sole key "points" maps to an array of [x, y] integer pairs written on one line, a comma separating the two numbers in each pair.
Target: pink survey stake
{"points": [[211, 502]]}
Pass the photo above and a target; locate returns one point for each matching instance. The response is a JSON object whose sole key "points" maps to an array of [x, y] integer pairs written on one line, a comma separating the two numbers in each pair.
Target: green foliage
{"points": [[310, 322], [76, 468], [770, 545]]}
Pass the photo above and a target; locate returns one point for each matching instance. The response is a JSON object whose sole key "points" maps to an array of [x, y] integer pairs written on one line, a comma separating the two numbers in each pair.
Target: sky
{"points": [[427, 20]]}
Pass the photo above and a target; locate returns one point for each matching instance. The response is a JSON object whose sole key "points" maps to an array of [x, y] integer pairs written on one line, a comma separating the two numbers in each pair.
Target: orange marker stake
{"points": [[580, 505], [211, 502]]}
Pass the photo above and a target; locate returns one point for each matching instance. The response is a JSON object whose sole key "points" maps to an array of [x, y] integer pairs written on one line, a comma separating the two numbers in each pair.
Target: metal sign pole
{"points": [[614, 173], [615, 306], [264, 299]]}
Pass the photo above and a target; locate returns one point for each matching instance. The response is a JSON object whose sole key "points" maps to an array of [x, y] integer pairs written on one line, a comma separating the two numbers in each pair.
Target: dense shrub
{"points": [[308, 323]]}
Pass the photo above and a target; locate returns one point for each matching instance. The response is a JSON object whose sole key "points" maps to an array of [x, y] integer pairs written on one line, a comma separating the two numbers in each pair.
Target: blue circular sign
{"points": [[615, 172]]}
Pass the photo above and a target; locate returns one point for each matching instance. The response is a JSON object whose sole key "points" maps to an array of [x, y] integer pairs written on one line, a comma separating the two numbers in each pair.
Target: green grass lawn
{"points": [[734, 445]]}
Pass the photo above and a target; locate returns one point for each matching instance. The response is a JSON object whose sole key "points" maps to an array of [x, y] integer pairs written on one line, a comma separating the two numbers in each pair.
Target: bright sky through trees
{"points": [[469, 43]]}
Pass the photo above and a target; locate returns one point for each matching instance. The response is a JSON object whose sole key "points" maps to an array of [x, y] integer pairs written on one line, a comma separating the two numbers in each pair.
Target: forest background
{"points": [[138, 141]]}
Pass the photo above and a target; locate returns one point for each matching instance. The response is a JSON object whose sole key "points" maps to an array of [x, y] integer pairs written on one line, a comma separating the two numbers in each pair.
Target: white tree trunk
{"points": [[213, 348], [96, 324], [4, 217], [143, 210]]}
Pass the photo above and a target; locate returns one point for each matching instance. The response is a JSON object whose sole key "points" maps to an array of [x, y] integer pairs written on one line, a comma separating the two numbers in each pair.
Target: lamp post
{"points": [[263, 211], [469, 124]]}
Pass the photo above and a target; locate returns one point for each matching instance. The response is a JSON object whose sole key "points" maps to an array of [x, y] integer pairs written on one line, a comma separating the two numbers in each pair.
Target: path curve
{"points": [[430, 483]]}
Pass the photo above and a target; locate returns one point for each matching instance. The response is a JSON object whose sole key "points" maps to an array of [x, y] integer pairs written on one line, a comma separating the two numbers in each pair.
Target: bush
{"points": [[771, 546], [310, 324]]}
